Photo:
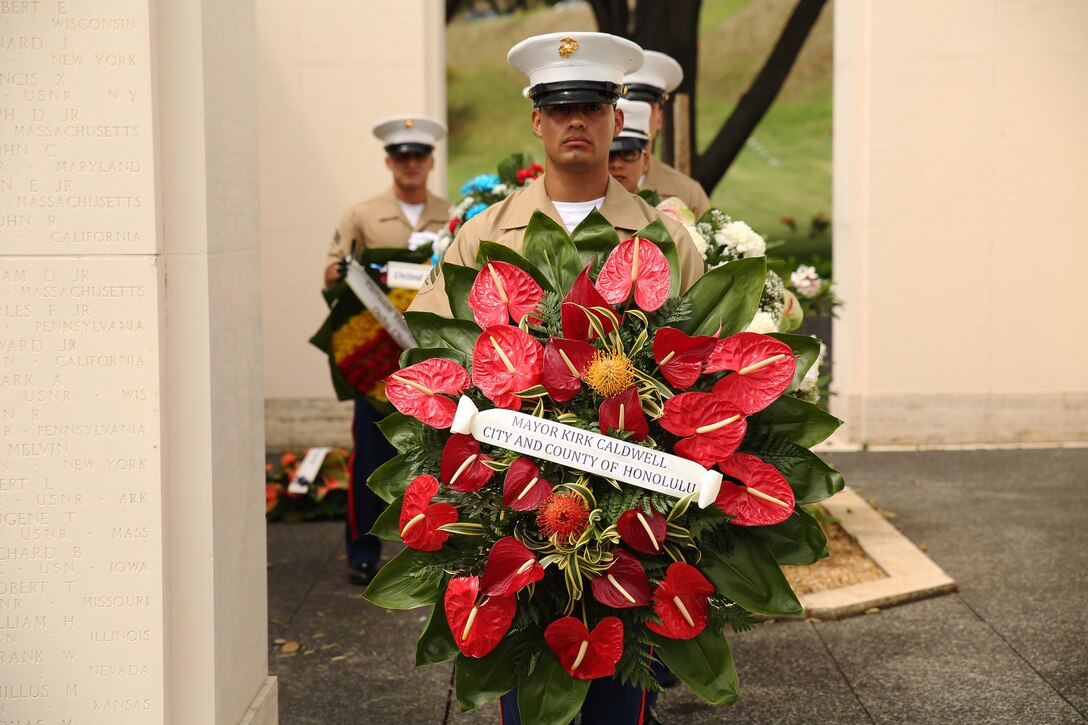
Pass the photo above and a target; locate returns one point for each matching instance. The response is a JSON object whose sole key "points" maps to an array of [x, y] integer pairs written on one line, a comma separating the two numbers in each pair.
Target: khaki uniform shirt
{"points": [[667, 181], [505, 224], [379, 222]]}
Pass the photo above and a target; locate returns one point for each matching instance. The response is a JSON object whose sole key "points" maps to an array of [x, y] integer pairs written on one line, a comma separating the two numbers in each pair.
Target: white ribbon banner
{"points": [[371, 295], [587, 451]]}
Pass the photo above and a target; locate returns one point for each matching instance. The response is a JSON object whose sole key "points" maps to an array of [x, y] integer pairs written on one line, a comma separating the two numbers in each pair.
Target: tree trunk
{"points": [[729, 141]]}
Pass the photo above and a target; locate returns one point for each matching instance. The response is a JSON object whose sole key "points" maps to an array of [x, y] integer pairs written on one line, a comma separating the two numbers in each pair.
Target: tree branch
{"points": [[729, 141]]}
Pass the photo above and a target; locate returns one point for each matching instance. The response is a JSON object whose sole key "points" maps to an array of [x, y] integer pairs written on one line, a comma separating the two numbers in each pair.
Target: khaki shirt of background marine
{"points": [[379, 222], [505, 224], [667, 181]]}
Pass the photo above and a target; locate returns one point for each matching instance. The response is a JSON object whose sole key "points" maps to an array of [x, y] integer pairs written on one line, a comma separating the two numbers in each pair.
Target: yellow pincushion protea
{"points": [[609, 374]]}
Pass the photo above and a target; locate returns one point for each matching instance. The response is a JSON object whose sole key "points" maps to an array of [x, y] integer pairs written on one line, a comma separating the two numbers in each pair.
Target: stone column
{"points": [[132, 565]]}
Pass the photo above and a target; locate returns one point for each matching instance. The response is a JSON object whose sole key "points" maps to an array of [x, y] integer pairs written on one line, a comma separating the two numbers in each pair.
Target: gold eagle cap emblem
{"points": [[408, 123], [567, 47]]}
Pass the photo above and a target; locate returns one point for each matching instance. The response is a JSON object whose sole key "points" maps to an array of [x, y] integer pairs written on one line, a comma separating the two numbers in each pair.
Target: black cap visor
{"points": [[626, 143], [408, 148], [567, 92], [643, 92]]}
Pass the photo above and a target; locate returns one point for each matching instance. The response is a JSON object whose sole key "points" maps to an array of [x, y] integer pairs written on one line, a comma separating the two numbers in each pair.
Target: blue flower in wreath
{"points": [[474, 210], [483, 182]]}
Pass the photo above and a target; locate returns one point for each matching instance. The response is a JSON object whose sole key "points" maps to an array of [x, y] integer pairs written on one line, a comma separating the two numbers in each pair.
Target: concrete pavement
{"points": [[1010, 526]]}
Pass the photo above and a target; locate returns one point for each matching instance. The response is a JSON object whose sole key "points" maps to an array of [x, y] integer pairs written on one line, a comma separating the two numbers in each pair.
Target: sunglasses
{"points": [[628, 155], [410, 156]]}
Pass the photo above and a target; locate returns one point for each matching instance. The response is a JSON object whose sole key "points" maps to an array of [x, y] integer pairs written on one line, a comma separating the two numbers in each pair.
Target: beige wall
{"points": [[131, 408], [961, 240], [328, 71]]}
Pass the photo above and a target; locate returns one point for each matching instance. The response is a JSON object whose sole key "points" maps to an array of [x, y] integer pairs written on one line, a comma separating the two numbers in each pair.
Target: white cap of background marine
{"points": [[407, 134], [575, 67], [636, 125], [658, 76]]}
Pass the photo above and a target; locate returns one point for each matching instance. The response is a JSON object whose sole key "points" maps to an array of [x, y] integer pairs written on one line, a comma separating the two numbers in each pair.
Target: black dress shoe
{"points": [[361, 574]]}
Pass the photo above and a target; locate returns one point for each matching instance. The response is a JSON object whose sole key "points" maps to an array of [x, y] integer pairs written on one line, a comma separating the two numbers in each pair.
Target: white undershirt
{"points": [[573, 212], [412, 212]]}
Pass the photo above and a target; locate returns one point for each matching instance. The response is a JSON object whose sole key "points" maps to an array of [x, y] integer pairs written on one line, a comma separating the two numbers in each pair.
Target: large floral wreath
{"points": [[545, 572], [361, 352]]}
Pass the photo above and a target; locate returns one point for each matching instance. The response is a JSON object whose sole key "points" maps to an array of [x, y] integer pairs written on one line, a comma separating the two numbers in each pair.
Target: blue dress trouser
{"points": [[364, 506], [607, 703]]}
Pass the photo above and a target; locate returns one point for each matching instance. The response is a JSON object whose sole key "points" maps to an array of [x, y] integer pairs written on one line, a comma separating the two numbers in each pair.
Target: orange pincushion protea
{"points": [[563, 515]]}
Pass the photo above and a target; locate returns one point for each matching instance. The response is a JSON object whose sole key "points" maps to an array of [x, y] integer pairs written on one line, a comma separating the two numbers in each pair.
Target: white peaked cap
{"points": [[658, 71], [636, 118], [410, 131], [570, 58]]}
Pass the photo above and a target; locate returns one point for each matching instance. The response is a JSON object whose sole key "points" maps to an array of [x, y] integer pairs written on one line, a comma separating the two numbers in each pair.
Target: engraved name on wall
{"points": [[80, 493], [76, 153], [81, 580]]}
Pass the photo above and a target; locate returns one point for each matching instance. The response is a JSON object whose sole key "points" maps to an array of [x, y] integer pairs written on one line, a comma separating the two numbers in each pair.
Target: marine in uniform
{"points": [[659, 76], [574, 115], [405, 216], [628, 159], [575, 80]]}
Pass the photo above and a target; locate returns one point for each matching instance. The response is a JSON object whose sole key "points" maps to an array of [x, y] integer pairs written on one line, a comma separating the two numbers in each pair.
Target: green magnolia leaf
{"points": [[658, 233], [436, 643], [387, 525], [390, 479], [405, 582], [383, 255], [419, 354], [811, 479], [458, 282], [548, 246], [797, 541], [805, 349], [401, 430], [482, 680], [704, 663], [750, 576], [795, 420], [489, 251], [550, 695], [594, 238], [726, 296], [431, 330]]}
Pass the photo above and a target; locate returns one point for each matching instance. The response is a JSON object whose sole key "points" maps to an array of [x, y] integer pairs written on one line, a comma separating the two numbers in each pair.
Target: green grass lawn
{"points": [[784, 171]]}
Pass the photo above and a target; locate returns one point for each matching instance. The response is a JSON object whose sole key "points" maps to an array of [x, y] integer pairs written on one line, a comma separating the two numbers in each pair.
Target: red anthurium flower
{"points": [[764, 369], [716, 426], [420, 519], [506, 359], [420, 390], [763, 497], [681, 356], [575, 319], [635, 263], [476, 628], [510, 566], [564, 362], [502, 291], [463, 466], [642, 531], [624, 412], [586, 655], [623, 584], [523, 489], [680, 602]]}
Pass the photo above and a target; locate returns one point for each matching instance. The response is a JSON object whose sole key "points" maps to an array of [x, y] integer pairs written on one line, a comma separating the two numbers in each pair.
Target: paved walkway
{"points": [[1011, 527]]}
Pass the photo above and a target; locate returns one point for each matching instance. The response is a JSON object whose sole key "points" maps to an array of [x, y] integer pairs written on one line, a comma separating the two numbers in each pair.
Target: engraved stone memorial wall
{"points": [[81, 563]]}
